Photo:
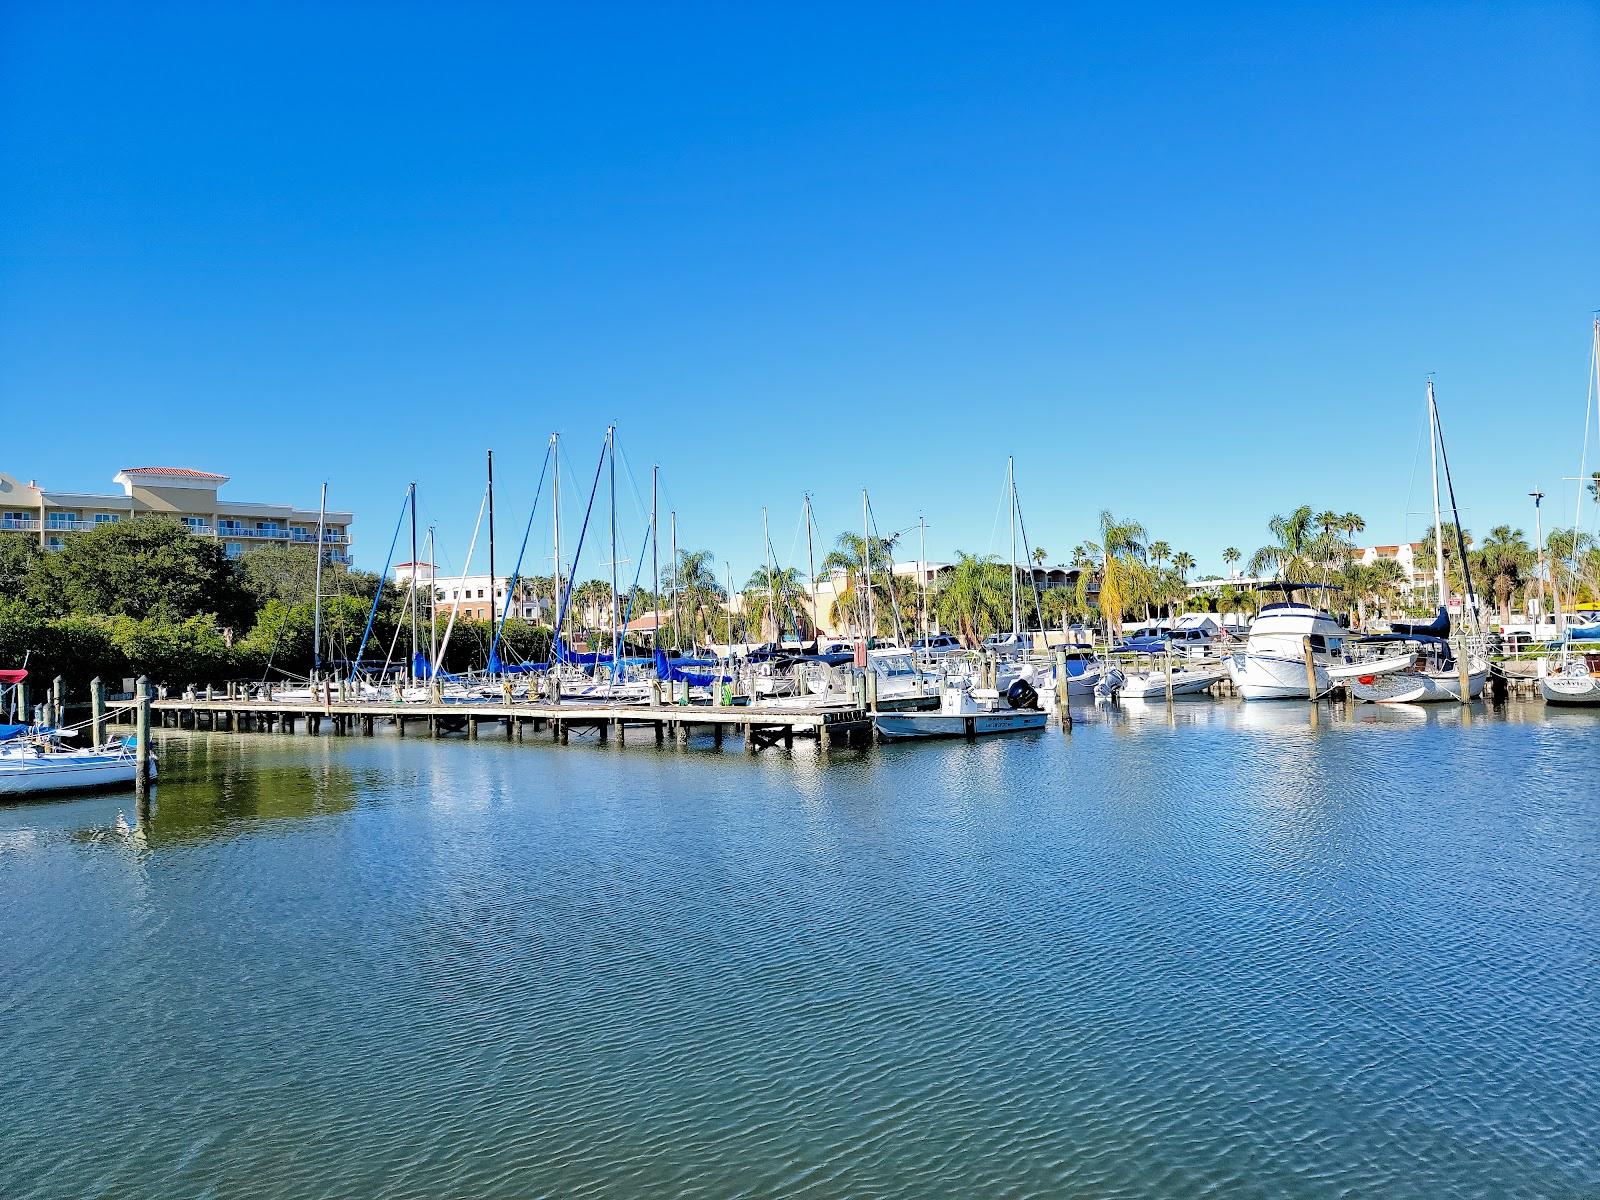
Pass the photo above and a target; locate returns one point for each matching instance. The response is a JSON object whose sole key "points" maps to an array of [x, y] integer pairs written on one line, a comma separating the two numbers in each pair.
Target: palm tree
{"points": [[757, 600], [1230, 556], [1289, 555], [1039, 556], [974, 598], [1351, 524], [1503, 561], [694, 589], [1454, 579], [1183, 563], [850, 555], [1160, 551], [1124, 581]]}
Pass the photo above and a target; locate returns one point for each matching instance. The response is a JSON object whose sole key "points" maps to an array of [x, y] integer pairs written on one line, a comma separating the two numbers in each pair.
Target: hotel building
{"points": [[177, 493]]}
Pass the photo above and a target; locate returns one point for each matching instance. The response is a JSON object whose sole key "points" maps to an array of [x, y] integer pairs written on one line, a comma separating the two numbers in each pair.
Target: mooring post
{"points": [[1463, 673], [872, 689], [1169, 674], [1311, 669], [97, 710], [58, 690], [141, 778], [24, 713]]}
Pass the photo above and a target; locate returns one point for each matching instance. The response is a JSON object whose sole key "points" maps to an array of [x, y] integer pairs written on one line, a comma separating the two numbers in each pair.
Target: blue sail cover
{"points": [[1438, 627], [669, 671], [496, 667], [7, 732]]}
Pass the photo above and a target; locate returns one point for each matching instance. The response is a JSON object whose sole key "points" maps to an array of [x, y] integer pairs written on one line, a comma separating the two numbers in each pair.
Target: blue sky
{"points": [[1190, 264]]}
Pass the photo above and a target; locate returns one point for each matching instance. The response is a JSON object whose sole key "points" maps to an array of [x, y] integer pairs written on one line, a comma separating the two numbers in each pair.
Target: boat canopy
{"points": [[12, 676], [7, 732]]}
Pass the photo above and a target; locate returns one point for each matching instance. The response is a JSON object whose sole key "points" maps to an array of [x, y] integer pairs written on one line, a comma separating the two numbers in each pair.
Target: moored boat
{"points": [[968, 712]]}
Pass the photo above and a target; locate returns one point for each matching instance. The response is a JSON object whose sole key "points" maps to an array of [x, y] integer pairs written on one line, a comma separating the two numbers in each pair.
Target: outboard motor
{"points": [[1021, 695]]}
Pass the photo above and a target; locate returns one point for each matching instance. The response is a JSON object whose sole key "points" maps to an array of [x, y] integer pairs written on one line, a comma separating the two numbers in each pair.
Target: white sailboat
{"points": [[1433, 673], [1572, 676]]}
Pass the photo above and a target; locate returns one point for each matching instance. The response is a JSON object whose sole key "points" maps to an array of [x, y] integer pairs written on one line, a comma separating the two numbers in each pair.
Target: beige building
{"points": [[187, 496], [476, 597]]}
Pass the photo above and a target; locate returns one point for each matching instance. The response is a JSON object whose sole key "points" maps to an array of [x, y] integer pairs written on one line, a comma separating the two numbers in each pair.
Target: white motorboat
{"points": [[1191, 679], [33, 765], [968, 712], [1572, 677], [1272, 666]]}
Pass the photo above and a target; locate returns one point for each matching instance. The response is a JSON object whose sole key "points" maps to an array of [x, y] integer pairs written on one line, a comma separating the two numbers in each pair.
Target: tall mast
{"points": [[555, 522], [772, 582], [729, 606], [1538, 540], [316, 603], [494, 583], [922, 575], [411, 667], [433, 608], [1438, 528], [1011, 487], [677, 578], [655, 556], [616, 622], [811, 563], [866, 546]]}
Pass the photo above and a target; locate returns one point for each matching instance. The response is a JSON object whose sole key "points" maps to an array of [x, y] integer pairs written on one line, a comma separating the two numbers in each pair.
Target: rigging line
{"points": [[1005, 499], [1038, 598], [888, 553], [466, 569], [516, 572], [373, 615], [1411, 488], [1461, 541], [566, 595]]}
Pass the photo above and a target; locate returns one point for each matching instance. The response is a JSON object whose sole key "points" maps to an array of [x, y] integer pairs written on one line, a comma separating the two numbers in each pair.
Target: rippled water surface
{"points": [[1217, 953]]}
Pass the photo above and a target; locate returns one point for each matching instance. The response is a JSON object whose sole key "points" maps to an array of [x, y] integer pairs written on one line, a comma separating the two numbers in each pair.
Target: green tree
{"points": [[1122, 576], [19, 553], [1289, 555], [1504, 563], [974, 597], [138, 569], [1230, 556]]}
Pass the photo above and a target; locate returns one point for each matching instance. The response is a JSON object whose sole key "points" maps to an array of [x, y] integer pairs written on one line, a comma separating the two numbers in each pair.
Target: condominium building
{"points": [[476, 596], [177, 493]]}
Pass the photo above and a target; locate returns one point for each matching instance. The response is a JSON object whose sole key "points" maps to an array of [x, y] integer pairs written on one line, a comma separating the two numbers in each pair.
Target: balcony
{"points": [[26, 524]]}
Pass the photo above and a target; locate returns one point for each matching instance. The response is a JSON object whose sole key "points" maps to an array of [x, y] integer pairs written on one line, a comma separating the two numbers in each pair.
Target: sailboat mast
{"points": [[866, 545], [1011, 487], [316, 602], [433, 607], [922, 576], [655, 555], [772, 582], [616, 622], [811, 564], [411, 667], [555, 524], [1438, 528], [494, 582]]}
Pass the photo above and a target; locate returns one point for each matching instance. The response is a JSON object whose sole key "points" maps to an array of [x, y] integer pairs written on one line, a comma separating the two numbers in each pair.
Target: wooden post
{"points": [[58, 696], [97, 710], [24, 713], [872, 688], [1311, 670], [141, 778], [1169, 674], [1463, 672]]}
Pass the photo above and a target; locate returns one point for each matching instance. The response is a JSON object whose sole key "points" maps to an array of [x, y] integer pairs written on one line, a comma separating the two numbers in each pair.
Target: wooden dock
{"points": [[760, 727]]}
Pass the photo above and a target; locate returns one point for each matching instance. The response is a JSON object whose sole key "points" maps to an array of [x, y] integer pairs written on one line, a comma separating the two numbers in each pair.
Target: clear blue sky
{"points": [[1191, 264]]}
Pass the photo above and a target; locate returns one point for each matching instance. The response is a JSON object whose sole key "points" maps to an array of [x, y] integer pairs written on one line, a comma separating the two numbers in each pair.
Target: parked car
{"points": [[937, 645]]}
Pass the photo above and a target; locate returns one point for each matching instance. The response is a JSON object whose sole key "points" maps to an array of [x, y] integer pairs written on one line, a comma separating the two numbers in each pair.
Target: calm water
{"points": [[1224, 955]]}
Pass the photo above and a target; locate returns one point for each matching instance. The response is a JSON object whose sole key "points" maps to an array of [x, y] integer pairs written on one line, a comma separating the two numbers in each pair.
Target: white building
{"points": [[475, 595]]}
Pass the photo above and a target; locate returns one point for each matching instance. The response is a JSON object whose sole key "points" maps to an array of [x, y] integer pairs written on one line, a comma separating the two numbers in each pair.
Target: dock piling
{"points": [[141, 778], [97, 710]]}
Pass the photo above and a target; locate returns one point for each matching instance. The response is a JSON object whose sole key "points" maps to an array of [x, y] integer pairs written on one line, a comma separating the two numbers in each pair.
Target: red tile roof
{"points": [[185, 472]]}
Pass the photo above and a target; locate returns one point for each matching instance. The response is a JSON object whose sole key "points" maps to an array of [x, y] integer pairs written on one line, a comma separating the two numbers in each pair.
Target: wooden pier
{"points": [[760, 727]]}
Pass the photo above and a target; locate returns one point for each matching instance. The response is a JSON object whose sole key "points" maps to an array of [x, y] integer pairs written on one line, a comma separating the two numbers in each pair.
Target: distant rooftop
{"points": [[177, 473]]}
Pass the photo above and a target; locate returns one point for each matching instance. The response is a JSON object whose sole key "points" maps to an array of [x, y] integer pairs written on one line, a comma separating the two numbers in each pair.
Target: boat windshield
{"points": [[891, 665]]}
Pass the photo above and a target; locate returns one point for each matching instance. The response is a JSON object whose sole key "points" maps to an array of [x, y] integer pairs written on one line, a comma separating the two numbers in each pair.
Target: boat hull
{"points": [[67, 773], [1266, 677], [1153, 686], [1568, 689], [932, 725], [1417, 687]]}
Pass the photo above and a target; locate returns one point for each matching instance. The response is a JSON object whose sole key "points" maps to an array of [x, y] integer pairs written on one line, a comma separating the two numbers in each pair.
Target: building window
{"points": [[106, 518], [233, 549], [54, 543], [480, 593], [61, 521]]}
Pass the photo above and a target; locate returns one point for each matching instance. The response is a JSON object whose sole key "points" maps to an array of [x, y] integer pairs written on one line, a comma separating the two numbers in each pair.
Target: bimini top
{"points": [[12, 676], [1286, 585]]}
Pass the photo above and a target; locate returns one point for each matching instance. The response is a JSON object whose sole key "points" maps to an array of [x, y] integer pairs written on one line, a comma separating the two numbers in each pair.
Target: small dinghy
{"points": [[965, 711]]}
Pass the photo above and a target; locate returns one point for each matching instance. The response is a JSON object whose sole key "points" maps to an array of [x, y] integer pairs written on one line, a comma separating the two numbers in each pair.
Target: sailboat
{"points": [[1573, 675], [1417, 663]]}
